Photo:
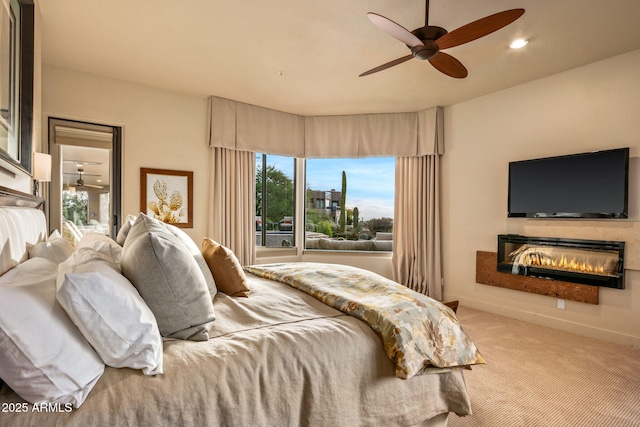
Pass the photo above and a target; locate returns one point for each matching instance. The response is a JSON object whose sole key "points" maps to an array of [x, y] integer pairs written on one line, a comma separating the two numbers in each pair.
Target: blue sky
{"points": [[370, 182]]}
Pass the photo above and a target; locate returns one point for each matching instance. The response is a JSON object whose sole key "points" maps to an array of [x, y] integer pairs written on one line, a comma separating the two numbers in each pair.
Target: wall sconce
{"points": [[41, 170]]}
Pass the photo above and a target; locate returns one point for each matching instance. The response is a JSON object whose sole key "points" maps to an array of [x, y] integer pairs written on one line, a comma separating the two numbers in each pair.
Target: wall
{"points": [[161, 129], [590, 108]]}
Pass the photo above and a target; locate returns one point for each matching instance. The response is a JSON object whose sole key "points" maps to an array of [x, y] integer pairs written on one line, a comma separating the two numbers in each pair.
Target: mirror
{"points": [[16, 82], [85, 188]]}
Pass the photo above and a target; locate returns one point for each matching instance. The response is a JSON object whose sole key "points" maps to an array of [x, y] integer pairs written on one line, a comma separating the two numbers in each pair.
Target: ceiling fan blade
{"points": [[479, 28], [99, 187], [448, 65], [387, 65], [396, 31]]}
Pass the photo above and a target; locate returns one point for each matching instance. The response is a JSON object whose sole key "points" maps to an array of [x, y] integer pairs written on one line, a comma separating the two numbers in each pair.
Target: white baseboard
{"points": [[551, 322]]}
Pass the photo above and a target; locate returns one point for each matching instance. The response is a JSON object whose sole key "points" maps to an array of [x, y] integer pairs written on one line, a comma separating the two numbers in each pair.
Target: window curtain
{"points": [[417, 246], [415, 139], [417, 243], [251, 128], [231, 211]]}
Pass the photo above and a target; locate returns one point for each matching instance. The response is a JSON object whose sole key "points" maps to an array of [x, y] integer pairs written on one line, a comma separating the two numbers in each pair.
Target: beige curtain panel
{"points": [[231, 211], [247, 127], [416, 258], [269, 131]]}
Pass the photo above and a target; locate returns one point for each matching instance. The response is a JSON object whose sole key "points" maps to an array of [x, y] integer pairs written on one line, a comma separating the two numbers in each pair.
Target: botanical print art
{"points": [[167, 198]]}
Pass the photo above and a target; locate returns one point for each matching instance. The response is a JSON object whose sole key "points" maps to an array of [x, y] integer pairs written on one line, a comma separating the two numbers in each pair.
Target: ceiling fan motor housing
{"points": [[429, 32], [427, 51], [428, 35]]}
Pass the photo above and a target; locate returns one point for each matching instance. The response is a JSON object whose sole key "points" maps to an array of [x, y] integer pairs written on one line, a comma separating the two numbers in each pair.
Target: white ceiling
{"points": [[237, 49]]}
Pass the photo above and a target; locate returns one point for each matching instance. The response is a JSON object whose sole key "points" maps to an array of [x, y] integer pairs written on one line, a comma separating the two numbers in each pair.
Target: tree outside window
{"points": [[275, 197], [75, 206]]}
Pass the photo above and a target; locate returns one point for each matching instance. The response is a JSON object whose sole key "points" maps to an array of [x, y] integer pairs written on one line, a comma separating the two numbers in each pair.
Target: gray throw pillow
{"points": [[124, 230], [194, 250], [169, 280]]}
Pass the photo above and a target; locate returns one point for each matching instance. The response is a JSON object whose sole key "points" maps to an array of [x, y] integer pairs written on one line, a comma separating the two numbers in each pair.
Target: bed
{"points": [[279, 356]]}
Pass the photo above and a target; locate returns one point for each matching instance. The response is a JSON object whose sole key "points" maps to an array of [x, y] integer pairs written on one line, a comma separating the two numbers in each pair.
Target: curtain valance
{"points": [[247, 127]]}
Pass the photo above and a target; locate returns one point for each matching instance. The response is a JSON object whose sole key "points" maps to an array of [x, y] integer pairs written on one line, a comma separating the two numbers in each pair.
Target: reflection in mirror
{"points": [[85, 190], [85, 184], [16, 82]]}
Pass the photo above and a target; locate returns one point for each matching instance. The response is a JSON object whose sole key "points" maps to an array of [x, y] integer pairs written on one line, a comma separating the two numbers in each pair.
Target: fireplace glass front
{"points": [[590, 262]]}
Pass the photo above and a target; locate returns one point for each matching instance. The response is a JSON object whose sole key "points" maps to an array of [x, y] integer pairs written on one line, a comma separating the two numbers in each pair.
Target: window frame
{"points": [[347, 252], [276, 250], [298, 252]]}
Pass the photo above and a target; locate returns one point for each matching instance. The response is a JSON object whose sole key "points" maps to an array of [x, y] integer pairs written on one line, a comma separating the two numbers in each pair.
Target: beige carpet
{"points": [[538, 376]]}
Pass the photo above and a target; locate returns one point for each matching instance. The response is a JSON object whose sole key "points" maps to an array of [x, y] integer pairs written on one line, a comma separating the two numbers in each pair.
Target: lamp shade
{"points": [[42, 167]]}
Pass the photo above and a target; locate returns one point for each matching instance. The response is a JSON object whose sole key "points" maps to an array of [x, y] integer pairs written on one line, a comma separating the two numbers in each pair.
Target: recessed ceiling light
{"points": [[519, 43]]}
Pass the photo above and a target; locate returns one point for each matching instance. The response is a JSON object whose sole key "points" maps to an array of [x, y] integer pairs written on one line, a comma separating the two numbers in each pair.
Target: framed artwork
{"points": [[16, 82], [167, 195]]}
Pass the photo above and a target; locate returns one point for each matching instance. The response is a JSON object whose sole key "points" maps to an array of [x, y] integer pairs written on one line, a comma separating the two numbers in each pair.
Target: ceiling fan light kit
{"points": [[427, 43]]}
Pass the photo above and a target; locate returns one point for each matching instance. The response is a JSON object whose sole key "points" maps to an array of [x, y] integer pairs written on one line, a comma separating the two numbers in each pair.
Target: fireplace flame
{"points": [[570, 260], [564, 264]]}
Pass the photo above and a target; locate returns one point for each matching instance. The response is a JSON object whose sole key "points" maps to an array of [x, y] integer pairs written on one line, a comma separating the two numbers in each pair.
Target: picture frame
{"points": [[16, 84], [167, 195]]}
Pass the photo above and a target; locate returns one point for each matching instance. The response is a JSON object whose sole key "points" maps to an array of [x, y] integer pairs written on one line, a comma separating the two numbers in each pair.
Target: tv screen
{"points": [[587, 185]]}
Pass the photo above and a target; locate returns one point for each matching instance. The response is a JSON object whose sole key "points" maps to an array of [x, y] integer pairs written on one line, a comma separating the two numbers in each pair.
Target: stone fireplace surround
{"points": [[627, 231], [589, 262]]}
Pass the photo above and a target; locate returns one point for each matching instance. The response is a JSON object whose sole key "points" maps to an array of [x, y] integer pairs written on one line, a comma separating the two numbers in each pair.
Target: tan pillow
{"points": [[225, 267]]}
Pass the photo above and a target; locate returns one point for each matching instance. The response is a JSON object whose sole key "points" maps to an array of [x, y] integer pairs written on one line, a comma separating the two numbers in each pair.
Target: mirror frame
{"points": [[24, 11]]}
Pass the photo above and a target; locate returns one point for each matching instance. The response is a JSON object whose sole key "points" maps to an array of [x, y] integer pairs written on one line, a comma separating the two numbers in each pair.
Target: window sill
{"points": [[329, 252], [264, 252]]}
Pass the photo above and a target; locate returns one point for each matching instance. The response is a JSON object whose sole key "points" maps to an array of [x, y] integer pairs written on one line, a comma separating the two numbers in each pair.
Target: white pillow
{"points": [[71, 232], [103, 244], [194, 250], [109, 311], [56, 249], [124, 230], [43, 355]]}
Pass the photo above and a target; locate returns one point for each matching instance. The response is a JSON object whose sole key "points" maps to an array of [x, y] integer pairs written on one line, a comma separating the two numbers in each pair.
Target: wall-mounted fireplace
{"points": [[590, 262]]}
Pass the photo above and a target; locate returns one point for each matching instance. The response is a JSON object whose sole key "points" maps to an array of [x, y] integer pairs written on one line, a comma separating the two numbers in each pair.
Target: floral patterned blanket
{"points": [[419, 334]]}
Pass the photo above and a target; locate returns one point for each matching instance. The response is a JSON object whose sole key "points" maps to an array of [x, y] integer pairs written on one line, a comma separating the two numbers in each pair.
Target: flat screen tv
{"points": [[587, 185]]}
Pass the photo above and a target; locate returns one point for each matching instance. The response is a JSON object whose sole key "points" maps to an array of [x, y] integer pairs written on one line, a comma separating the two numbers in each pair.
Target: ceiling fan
{"points": [[80, 181], [428, 42]]}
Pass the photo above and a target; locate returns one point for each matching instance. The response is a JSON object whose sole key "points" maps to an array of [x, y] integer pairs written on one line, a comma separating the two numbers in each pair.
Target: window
{"points": [[75, 206], [275, 201], [365, 222]]}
